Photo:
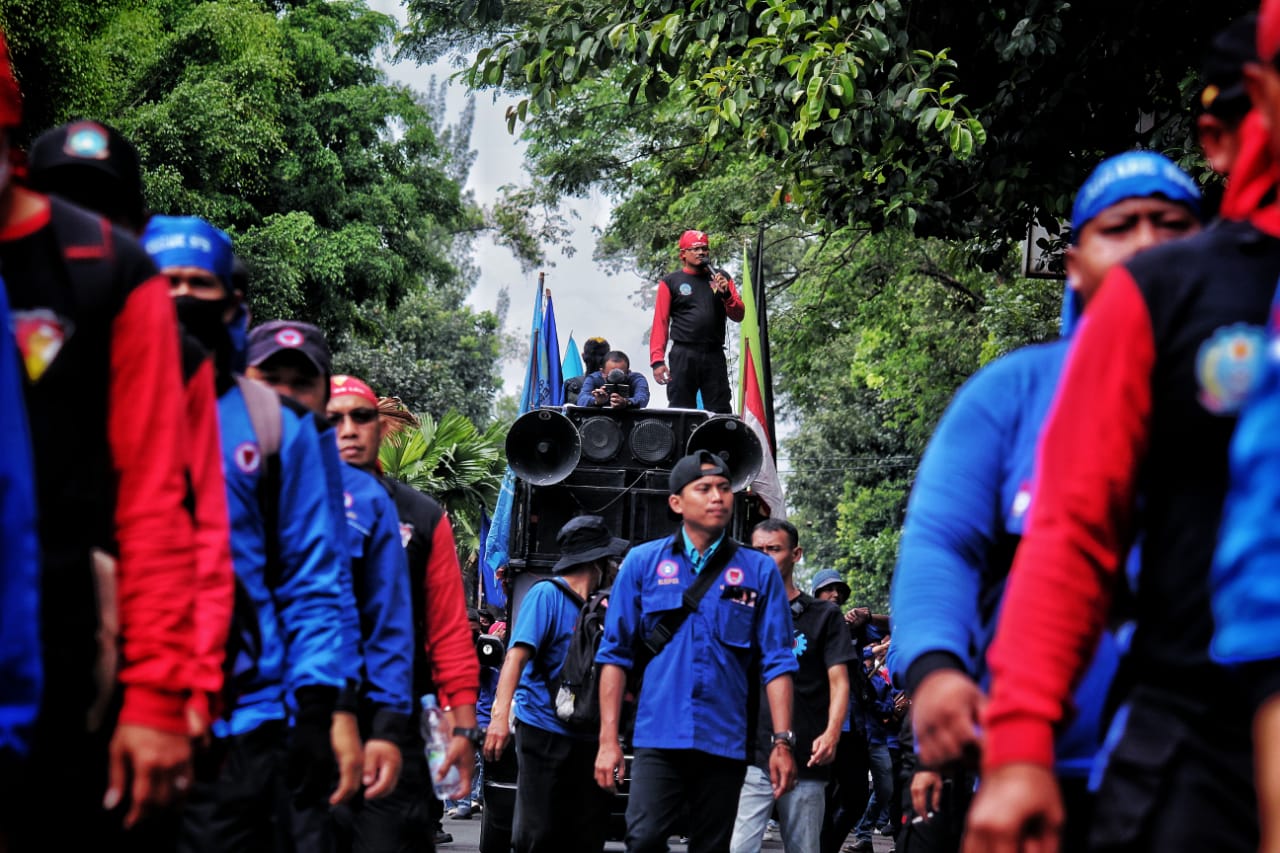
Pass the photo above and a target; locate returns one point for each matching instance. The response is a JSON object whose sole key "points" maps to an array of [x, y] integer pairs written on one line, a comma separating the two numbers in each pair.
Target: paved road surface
{"points": [[466, 837]]}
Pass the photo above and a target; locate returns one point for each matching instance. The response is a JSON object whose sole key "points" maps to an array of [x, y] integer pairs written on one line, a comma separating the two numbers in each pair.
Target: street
{"points": [[466, 839]]}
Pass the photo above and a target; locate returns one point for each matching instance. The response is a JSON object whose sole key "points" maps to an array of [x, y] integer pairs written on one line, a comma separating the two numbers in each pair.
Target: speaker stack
{"points": [[615, 464]]}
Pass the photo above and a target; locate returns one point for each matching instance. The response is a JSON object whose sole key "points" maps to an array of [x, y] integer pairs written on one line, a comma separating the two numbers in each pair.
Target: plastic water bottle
{"points": [[436, 740]]}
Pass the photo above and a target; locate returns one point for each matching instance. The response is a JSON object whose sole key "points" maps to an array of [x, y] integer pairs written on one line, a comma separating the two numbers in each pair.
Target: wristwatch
{"points": [[786, 738], [476, 736]]}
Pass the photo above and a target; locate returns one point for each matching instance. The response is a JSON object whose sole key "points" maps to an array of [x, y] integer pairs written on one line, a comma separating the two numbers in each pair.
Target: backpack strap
{"points": [[672, 620], [263, 406]]}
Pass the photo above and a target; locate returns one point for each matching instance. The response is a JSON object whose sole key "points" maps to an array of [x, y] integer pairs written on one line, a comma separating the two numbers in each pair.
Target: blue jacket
{"points": [[301, 620], [694, 694], [639, 389], [334, 478], [380, 577], [1245, 581], [964, 519], [878, 718], [21, 670]]}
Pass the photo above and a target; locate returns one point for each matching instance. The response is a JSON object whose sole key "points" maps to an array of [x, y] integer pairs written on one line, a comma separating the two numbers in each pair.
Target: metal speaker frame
{"points": [[734, 441], [543, 447]]}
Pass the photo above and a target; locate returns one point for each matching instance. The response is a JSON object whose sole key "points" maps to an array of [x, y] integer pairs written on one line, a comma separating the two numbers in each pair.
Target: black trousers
{"points": [[559, 806], [397, 823], [666, 781], [1177, 781], [847, 792], [694, 369], [236, 800]]}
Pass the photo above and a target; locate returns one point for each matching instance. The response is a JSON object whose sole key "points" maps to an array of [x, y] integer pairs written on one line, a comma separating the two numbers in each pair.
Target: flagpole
{"points": [[766, 361]]}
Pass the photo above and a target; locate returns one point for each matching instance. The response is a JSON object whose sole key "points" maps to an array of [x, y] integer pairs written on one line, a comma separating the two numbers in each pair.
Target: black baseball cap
{"points": [[1232, 48], [584, 539], [689, 468], [92, 165], [283, 335]]}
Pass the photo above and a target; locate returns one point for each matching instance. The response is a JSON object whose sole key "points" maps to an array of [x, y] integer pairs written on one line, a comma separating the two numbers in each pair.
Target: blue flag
{"points": [[543, 386], [572, 365]]}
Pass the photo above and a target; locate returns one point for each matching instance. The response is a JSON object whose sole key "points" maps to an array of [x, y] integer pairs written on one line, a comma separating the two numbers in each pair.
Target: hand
{"points": [[159, 764], [617, 401], [1017, 808], [499, 630], [661, 374], [719, 283], [382, 760], [497, 737], [609, 764], [900, 705], [945, 713], [782, 770], [824, 749], [926, 793], [198, 723], [599, 396], [461, 754], [348, 752], [858, 616]]}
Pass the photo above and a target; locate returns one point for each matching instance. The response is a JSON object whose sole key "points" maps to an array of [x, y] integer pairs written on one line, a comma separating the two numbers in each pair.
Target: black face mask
{"points": [[202, 319]]}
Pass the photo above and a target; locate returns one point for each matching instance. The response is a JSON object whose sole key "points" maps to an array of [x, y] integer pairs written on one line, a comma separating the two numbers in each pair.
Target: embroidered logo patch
{"points": [[40, 335], [247, 456], [289, 338], [406, 534], [685, 288], [668, 572], [733, 577], [88, 141], [799, 644], [1228, 366], [1022, 500]]}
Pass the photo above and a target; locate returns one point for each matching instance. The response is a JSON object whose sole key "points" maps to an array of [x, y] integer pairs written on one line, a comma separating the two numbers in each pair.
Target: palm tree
{"points": [[455, 463]]}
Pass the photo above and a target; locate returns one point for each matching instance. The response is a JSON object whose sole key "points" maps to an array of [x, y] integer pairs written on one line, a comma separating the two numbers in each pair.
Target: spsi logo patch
{"points": [[668, 572], [247, 456], [733, 577], [685, 288], [1228, 367], [289, 338]]}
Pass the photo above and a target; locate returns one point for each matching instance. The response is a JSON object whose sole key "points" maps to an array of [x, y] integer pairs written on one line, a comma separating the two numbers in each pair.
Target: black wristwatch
{"points": [[476, 736], [786, 738]]}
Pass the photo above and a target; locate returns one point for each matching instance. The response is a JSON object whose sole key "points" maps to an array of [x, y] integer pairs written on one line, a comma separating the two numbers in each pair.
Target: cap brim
{"points": [[615, 548]]}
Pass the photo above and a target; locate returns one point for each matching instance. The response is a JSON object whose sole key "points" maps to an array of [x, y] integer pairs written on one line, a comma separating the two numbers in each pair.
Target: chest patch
{"points": [[733, 576], [248, 456], [1228, 366], [686, 289], [406, 534], [40, 334], [668, 572], [799, 644], [1022, 500]]}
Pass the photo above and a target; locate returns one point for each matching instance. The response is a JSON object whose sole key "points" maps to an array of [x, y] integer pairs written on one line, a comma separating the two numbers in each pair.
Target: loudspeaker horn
{"points": [[732, 440], [543, 447]]}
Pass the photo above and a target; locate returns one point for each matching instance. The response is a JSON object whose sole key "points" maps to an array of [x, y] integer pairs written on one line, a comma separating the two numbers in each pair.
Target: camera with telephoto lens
{"points": [[617, 382]]}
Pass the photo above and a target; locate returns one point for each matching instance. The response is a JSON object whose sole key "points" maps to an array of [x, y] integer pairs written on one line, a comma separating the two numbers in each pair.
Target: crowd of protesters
{"points": [[219, 617]]}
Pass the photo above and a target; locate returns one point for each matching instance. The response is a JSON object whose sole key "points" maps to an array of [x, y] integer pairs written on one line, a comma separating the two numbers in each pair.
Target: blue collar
{"points": [[696, 560]]}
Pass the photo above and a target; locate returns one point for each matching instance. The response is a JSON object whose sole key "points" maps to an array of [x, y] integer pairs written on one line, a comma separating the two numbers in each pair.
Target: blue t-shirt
{"points": [[547, 617]]}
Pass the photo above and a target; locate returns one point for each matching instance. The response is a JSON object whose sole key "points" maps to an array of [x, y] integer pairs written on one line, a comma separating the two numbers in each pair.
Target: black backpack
{"points": [[576, 693]]}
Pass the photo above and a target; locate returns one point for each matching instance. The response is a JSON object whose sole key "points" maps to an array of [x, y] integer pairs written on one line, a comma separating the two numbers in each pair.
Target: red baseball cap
{"points": [[689, 239]]}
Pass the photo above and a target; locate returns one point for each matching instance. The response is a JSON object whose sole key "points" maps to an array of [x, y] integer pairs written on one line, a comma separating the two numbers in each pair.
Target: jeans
{"points": [[665, 781], [877, 813], [799, 813]]}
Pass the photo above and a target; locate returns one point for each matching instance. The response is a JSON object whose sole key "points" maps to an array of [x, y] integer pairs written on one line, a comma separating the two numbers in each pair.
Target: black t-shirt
{"points": [[820, 641]]}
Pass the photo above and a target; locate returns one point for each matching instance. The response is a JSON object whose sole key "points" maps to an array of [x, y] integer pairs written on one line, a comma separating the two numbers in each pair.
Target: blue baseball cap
{"points": [[1133, 174], [189, 241]]}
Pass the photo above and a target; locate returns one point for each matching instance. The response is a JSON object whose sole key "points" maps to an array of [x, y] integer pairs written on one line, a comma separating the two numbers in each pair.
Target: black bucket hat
{"points": [[584, 539]]}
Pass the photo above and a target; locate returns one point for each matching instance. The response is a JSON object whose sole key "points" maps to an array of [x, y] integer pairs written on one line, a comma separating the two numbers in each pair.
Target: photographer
{"points": [[615, 386]]}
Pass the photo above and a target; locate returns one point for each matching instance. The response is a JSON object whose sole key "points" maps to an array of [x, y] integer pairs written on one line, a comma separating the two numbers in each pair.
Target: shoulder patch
{"points": [[1228, 366], [247, 456]]}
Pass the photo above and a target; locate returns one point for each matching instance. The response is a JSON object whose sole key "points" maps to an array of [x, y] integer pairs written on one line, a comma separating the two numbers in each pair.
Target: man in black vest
{"points": [[692, 306]]}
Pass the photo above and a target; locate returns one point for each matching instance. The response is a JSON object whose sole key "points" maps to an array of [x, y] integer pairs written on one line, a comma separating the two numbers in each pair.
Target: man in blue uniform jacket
{"points": [[692, 728]]}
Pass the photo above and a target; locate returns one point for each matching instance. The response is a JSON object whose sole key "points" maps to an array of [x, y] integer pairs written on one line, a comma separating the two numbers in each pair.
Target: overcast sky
{"points": [[588, 301]]}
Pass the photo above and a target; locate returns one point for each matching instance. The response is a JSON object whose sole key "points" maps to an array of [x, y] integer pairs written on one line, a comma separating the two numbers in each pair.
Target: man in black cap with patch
{"points": [[558, 806], [722, 609]]}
